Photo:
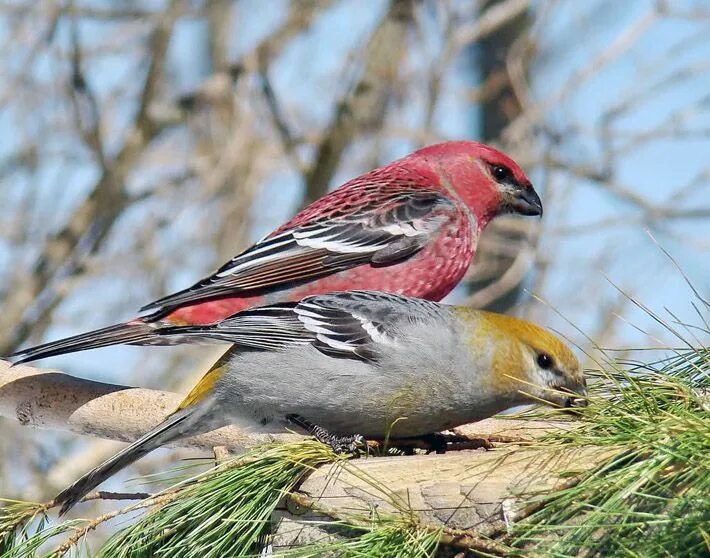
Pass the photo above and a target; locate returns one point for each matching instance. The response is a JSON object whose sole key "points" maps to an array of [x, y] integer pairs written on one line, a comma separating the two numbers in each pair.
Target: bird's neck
{"points": [[463, 179]]}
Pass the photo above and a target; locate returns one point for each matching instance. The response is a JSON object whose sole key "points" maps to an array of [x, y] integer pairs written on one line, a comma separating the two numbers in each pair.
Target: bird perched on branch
{"points": [[361, 363], [410, 227]]}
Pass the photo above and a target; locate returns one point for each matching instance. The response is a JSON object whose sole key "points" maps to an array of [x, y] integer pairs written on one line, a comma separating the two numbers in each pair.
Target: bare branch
{"points": [[92, 220], [49, 399], [364, 105]]}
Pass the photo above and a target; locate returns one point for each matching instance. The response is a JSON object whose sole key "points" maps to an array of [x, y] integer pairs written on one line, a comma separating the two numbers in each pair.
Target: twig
{"points": [[469, 541], [363, 105], [104, 495], [94, 523]]}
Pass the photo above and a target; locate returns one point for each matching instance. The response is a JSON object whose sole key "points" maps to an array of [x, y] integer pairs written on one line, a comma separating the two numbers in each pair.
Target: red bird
{"points": [[409, 228]]}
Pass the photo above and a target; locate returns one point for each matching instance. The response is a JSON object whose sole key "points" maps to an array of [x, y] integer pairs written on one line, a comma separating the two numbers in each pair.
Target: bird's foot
{"points": [[436, 442], [354, 444], [440, 443]]}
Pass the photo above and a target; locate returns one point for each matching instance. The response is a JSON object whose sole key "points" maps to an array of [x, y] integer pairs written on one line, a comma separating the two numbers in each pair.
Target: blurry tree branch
{"points": [[505, 255], [86, 107], [92, 220], [519, 128], [493, 17], [125, 11], [300, 16], [363, 107], [218, 14], [227, 148]]}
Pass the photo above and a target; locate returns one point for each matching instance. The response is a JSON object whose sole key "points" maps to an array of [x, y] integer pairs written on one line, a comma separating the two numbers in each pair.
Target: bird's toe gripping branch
{"points": [[354, 444]]}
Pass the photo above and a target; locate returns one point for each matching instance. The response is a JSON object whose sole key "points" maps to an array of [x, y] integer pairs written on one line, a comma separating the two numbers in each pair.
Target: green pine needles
{"points": [[223, 512], [652, 499]]}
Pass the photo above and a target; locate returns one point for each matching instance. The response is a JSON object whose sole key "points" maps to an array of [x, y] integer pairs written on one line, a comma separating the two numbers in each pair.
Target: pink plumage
{"points": [[410, 227]]}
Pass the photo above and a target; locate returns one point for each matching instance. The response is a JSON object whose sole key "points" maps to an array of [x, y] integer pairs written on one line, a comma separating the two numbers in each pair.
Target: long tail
{"points": [[175, 426], [130, 332]]}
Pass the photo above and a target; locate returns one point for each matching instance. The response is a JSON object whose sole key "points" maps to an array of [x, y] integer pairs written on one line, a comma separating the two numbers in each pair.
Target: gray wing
{"points": [[360, 325]]}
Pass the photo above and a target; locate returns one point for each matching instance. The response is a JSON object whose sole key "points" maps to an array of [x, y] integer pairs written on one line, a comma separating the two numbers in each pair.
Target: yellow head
{"points": [[526, 358]]}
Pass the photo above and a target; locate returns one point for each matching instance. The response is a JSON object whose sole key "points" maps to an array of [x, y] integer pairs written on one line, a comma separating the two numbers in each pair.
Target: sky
{"points": [[311, 70]]}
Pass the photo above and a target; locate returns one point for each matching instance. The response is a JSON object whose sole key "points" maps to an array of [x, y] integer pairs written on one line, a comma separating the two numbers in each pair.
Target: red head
{"points": [[486, 180]]}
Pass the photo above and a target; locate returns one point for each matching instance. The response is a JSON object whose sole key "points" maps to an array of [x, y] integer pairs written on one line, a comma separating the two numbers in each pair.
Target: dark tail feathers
{"points": [[166, 431], [131, 332]]}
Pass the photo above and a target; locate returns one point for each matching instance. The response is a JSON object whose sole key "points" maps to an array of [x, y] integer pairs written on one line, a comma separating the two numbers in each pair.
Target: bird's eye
{"points": [[501, 173], [544, 361]]}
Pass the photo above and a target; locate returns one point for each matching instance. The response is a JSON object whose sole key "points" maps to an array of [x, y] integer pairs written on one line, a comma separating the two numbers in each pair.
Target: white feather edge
{"points": [[303, 239]]}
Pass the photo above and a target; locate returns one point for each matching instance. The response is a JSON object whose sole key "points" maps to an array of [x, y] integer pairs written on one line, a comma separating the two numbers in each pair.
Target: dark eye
{"points": [[544, 361], [501, 173]]}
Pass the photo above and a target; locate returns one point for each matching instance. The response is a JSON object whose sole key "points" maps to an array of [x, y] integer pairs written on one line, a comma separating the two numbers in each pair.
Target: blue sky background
{"points": [[311, 72], [665, 72]]}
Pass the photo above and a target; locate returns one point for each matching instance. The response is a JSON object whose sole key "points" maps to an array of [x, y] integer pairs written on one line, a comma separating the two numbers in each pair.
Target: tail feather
{"points": [[170, 429], [200, 292], [131, 332]]}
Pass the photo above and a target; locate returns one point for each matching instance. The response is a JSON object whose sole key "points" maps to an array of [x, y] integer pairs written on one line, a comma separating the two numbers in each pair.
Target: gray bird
{"points": [[361, 363]]}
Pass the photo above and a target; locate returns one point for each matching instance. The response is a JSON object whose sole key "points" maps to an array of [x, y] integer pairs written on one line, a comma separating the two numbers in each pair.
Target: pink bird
{"points": [[410, 228]]}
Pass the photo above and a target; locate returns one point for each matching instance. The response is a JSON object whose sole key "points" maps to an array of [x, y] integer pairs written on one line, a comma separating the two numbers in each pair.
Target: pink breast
{"points": [[430, 274]]}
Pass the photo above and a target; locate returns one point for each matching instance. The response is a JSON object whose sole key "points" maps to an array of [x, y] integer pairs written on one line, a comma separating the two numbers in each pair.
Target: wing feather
{"points": [[359, 325], [381, 234]]}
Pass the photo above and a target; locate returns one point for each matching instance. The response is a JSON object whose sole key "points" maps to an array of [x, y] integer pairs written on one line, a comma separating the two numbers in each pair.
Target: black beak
{"points": [[572, 402], [526, 202], [577, 398]]}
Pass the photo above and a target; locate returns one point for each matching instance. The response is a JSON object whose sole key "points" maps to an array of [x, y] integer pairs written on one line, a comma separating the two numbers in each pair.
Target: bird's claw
{"points": [[351, 445], [354, 444]]}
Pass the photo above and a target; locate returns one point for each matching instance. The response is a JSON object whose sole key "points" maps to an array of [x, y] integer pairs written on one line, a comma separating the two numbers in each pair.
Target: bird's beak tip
{"points": [[527, 202]]}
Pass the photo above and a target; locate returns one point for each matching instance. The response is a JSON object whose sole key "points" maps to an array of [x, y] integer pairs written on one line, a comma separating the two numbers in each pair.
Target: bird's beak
{"points": [[576, 402], [578, 396], [525, 201]]}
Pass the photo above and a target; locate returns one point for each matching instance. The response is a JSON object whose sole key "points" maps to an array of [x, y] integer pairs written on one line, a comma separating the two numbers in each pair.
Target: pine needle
{"points": [[223, 512], [652, 498]]}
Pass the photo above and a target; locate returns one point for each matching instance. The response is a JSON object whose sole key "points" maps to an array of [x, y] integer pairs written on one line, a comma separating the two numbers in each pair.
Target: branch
{"points": [[93, 219], [43, 398], [50, 399], [490, 21], [363, 106], [455, 538], [300, 16], [470, 495]]}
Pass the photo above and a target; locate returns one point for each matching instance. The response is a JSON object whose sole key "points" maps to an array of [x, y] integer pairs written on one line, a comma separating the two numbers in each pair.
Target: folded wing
{"points": [[377, 234], [358, 325]]}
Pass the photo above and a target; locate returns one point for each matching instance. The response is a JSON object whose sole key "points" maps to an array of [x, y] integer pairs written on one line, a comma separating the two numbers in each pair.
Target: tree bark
{"points": [[50, 399], [479, 491]]}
